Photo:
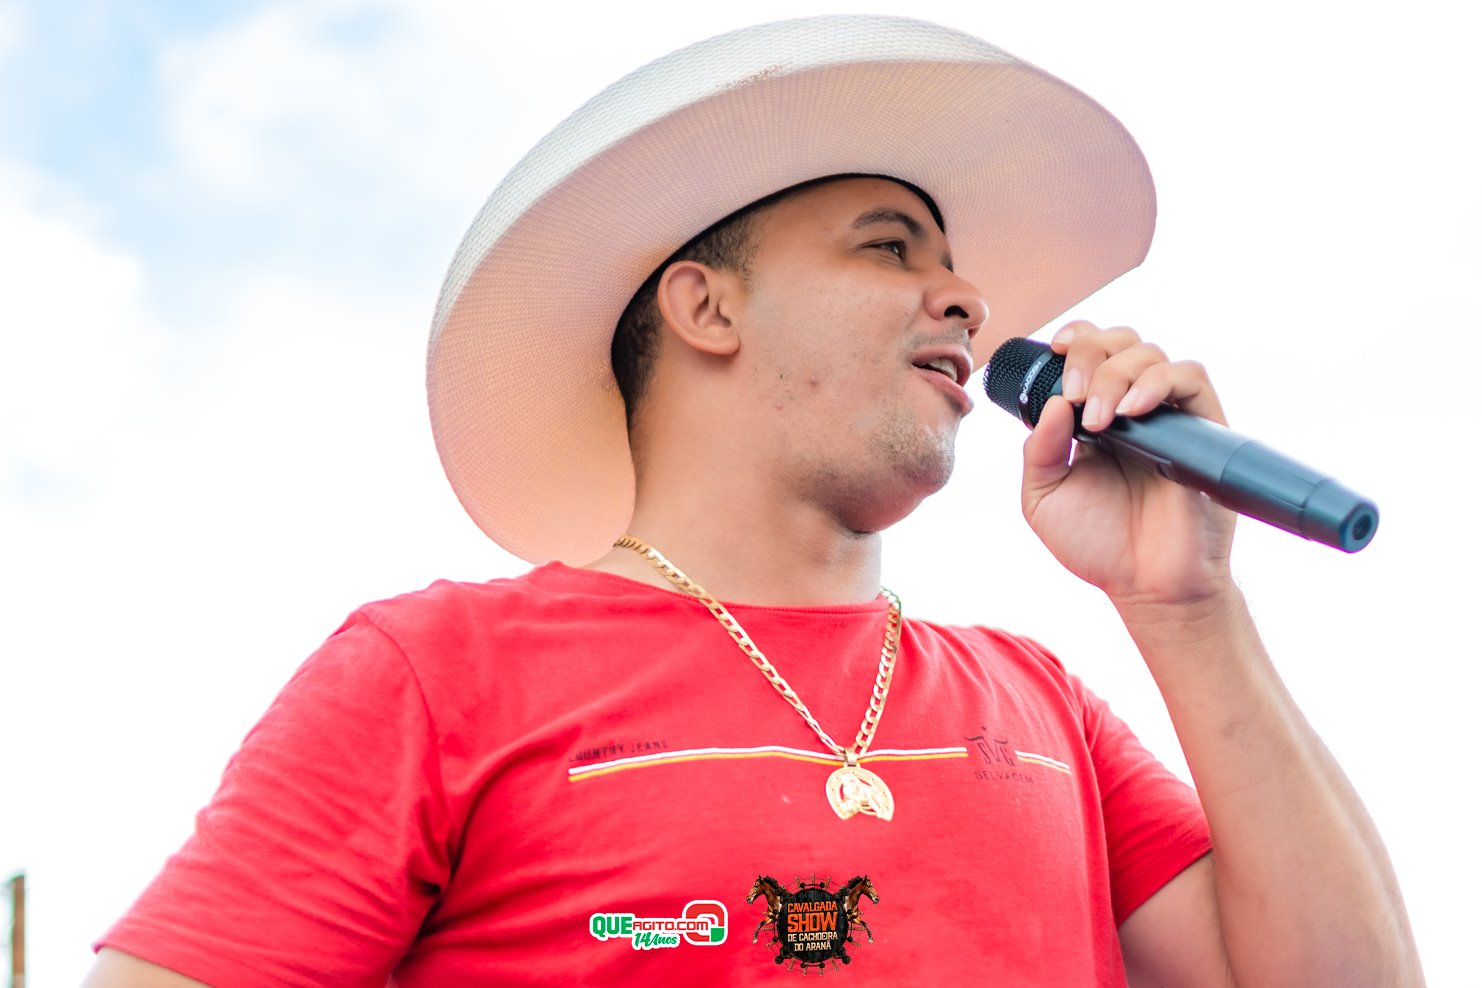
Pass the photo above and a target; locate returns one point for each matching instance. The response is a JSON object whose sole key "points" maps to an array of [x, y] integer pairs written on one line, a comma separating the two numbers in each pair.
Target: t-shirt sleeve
{"points": [[326, 843], [1155, 825]]}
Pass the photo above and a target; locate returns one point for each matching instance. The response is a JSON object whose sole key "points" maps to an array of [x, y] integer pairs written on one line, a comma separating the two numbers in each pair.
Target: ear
{"points": [[696, 302]]}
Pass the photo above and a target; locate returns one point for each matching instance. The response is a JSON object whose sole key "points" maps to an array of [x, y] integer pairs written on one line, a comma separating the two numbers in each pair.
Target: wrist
{"points": [[1211, 613], [1208, 593]]}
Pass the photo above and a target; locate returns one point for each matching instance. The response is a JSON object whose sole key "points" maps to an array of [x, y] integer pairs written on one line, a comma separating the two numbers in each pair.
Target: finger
{"points": [[1112, 380], [1073, 374], [1113, 372], [1067, 333], [1085, 346], [1047, 451], [1182, 383]]}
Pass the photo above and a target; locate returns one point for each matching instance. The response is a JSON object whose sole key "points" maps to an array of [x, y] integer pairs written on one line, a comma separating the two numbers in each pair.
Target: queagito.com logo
{"points": [[702, 922]]}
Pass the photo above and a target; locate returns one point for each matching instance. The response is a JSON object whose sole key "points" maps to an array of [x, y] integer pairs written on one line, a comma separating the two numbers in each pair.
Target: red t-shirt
{"points": [[454, 786]]}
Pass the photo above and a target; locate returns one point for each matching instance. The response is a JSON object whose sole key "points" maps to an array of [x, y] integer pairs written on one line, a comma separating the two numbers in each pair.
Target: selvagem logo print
{"points": [[702, 922]]}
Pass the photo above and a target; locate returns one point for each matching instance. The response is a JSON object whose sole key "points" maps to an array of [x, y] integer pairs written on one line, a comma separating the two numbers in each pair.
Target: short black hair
{"points": [[726, 245]]}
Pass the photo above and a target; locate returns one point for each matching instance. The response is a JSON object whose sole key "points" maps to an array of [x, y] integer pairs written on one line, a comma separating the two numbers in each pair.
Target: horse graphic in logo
{"points": [[810, 925]]}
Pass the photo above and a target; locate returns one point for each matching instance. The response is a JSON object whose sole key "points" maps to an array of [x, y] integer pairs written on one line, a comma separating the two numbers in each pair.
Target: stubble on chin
{"points": [[918, 456], [900, 467]]}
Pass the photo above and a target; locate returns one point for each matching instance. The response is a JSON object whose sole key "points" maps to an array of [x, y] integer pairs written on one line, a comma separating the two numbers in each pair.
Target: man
{"points": [[573, 777]]}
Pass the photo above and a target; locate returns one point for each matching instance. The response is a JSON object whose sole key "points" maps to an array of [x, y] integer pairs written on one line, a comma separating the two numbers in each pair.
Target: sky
{"points": [[222, 232]]}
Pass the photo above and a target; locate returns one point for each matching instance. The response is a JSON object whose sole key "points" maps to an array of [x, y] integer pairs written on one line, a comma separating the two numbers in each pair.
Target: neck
{"points": [[744, 542]]}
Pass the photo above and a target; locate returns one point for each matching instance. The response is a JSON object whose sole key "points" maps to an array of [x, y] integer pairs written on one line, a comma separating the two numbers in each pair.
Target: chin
{"points": [[871, 501], [924, 460]]}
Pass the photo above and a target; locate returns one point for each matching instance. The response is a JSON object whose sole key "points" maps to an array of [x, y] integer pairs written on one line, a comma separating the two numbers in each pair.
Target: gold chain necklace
{"points": [[851, 789]]}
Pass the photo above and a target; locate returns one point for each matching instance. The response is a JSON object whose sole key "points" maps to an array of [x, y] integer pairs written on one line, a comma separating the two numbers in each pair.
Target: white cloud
{"points": [[80, 348], [427, 99], [12, 29], [266, 105]]}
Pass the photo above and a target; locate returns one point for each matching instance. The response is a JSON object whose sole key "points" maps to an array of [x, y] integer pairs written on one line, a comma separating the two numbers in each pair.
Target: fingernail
{"points": [[1129, 401], [1091, 417], [1064, 336], [1072, 389]]}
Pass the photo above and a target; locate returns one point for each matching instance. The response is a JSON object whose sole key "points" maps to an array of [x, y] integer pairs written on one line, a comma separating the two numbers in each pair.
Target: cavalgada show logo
{"points": [[702, 922], [811, 926]]}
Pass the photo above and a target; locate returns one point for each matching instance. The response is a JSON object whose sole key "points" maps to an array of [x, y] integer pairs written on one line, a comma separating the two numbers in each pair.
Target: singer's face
{"points": [[855, 335]]}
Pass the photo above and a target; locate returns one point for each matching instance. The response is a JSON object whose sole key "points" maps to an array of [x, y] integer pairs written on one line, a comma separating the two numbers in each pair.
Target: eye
{"points": [[896, 247]]}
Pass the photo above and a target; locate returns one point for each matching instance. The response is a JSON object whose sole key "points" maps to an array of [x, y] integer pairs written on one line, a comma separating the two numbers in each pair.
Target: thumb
{"points": [[1047, 451]]}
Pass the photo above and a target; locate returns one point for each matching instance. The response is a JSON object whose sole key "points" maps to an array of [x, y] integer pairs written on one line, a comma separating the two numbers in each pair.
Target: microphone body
{"points": [[1236, 471]]}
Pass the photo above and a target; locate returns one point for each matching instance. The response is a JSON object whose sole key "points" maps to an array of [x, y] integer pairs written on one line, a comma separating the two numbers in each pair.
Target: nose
{"points": [[953, 297]]}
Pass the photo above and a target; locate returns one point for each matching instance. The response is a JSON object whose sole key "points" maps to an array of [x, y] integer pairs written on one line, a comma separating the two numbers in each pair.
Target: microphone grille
{"points": [[1003, 379]]}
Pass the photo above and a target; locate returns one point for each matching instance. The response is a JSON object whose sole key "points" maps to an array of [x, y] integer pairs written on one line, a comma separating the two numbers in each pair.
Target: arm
{"points": [[1299, 885], [115, 969], [1299, 889]]}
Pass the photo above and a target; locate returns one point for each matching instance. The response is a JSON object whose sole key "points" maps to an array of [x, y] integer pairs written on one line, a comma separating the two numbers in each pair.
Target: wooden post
{"points": [[18, 931]]}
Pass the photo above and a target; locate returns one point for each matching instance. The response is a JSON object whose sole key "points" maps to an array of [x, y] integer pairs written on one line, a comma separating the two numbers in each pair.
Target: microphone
{"points": [[1239, 473]]}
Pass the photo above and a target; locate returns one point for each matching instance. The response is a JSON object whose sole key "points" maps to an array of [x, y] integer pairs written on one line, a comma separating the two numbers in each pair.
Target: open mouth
{"points": [[942, 365], [955, 366]]}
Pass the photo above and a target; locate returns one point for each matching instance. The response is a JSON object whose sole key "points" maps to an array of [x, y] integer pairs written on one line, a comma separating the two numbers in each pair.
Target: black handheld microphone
{"points": [[1237, 472]]}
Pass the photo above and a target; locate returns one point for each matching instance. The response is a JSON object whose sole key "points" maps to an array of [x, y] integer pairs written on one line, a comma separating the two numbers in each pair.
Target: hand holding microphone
{"points": [[1233, 470]]}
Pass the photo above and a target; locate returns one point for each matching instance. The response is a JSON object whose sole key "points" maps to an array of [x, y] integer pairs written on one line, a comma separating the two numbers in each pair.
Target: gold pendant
{"points": [[852, 790]]}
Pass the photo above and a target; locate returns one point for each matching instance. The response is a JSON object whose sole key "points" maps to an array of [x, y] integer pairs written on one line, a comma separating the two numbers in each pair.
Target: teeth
{"points": [[944, 365]]}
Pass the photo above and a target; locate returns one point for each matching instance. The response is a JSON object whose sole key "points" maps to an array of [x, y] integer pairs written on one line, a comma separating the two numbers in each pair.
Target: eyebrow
{"points": [[876, 217]]}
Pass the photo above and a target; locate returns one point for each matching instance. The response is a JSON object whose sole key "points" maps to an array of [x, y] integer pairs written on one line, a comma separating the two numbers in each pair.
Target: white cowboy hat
{"points": [[1046, 198]]}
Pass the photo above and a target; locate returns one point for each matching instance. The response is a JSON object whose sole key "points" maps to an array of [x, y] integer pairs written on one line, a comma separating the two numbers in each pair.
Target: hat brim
{"points": [[1045, 195]]}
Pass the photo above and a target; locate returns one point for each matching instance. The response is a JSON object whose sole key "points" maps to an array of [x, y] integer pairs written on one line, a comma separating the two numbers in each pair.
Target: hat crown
{"points": [[692, 74]]}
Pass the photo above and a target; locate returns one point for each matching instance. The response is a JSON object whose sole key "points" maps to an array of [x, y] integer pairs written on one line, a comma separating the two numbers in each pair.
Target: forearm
{"points": [[1305, 889]]}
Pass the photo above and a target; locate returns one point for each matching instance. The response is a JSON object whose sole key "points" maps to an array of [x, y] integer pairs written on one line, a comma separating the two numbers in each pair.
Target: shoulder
{"points": [[449, 612], [468, 645], [998, 660], [985, 645]]}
